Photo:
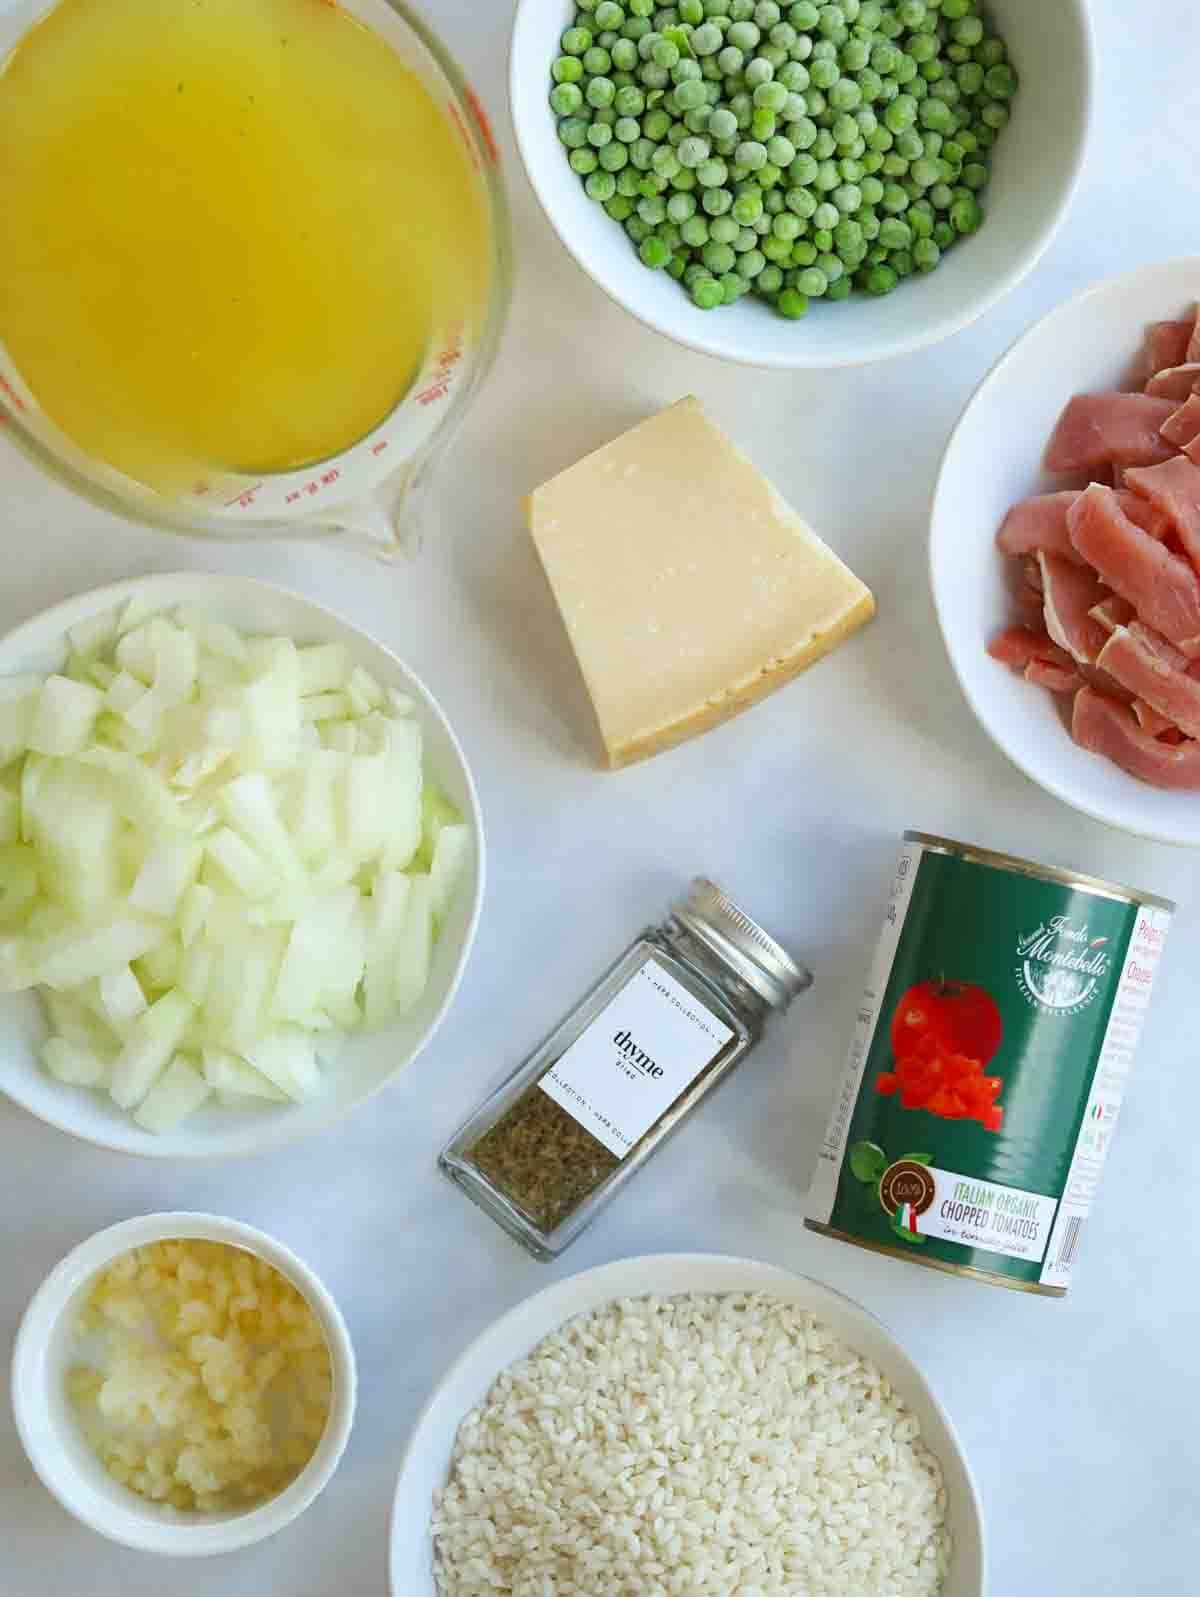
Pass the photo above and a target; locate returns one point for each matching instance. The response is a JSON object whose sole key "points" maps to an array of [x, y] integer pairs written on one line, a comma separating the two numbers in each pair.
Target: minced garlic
{"points": [[212, 1383]]}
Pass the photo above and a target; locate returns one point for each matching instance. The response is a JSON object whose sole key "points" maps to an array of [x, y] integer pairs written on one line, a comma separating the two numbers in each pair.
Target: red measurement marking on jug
{"points": [[13, 397], [244, 500], [378, 449], [485, 126], [464, 134]]}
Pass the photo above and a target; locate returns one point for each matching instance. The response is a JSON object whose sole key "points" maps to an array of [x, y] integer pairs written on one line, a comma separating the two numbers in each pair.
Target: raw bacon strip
{"points": [[1032, 573], [1192, 450], [1070, 593], [1019, 646], [1095, 430], [1193, 349], [1174, 489], [1183, 425], [1103, 683], [1176, 382], [1163, 589], [1105, 727], [1113, 612], [1143, 514], [1058, 678], [1156, 673], [1040, 523], [1149, 720], [1167, 344]]}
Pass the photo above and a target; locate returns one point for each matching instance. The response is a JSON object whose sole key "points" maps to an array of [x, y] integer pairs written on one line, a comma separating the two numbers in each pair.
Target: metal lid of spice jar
{"points": [[758, 959]]}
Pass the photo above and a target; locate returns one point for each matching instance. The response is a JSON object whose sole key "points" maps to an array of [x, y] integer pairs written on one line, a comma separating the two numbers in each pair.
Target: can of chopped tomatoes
{"points": [[985, 1076]]}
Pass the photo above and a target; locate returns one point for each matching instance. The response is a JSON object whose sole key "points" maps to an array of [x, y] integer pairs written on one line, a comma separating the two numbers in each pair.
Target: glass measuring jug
{"points": [[370, 490]]}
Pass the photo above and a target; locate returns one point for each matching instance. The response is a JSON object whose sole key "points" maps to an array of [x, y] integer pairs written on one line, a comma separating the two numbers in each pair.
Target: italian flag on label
{"points": [[906, 1219]]}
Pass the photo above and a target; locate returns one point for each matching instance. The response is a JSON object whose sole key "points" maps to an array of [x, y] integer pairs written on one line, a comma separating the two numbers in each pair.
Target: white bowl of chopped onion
{"points": [[51, 1343], [242, 866]]}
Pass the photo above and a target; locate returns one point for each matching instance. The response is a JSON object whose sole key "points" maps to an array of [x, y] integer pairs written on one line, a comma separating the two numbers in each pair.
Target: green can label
{"points": [[986, 1072]]}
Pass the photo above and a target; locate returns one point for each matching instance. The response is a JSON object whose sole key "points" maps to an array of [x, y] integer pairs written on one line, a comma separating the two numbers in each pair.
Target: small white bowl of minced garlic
{"points": [[183, 1384]]}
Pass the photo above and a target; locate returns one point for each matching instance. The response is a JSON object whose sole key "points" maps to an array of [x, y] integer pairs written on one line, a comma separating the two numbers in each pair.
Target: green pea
{"points": [[724, 229], [901, 113], [823, 238], [567, 69], [566, 99], [707, 39], [770, 97], [770, 279], [614, 157], [576, 41], [691, 11], [745, 35], [716, 201], [895, 165], [776, 249], [936, 114], [752, 263], [573, 131], [695, 231], [902, 263], [920, 219], [911, 12], [880, 280], [597, 62], [629, 182], [968, 31], [966, 215], [786, 225], [665, 163], [953, 10], [895, 199], [718, 258], [870, 225], [811, 280], [926, 255], [762, 123], [792, 303], [856, 54], [804, 252], [941, 197], [601, 186], [620, 208], [583, 161], [825, 145], [872, 190], [995, 114], [804, 16], [839, 290], [847, 236], [944, 235], [712, 174], [927, 172], [991, 52], [802, 202], [707, 293], [895, 234]]}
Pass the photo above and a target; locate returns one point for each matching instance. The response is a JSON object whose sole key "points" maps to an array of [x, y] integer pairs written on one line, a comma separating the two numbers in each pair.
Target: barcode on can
{"points": [[1069, 1243]]}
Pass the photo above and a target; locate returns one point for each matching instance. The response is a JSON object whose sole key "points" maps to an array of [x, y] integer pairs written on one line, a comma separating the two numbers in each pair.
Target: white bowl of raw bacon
{"points": [[1065, 552]]}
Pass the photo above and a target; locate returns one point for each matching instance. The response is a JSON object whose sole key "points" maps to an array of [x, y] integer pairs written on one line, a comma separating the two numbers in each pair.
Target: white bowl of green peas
{"points": [[792, 183]]}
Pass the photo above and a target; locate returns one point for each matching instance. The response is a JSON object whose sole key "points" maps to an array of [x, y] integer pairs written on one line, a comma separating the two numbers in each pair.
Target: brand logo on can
{"points": [[1062, 966], [907, 1185]]}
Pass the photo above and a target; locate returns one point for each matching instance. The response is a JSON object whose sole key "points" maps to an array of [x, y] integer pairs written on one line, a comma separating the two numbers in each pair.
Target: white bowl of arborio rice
{"points": [[686, 1424]]}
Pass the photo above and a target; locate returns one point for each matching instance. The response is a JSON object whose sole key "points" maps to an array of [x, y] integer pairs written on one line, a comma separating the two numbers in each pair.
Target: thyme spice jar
{"points": [[676, 1012]]}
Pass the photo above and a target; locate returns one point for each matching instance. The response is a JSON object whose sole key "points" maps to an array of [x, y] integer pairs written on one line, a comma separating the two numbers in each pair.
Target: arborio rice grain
{"points": [[718, 1446]]}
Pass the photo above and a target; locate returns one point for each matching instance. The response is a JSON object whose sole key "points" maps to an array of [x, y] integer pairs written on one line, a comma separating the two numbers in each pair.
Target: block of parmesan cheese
{"points": [[688, 587]]}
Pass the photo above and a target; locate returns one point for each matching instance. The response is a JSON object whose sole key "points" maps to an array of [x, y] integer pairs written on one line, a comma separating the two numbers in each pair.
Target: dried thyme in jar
{"points": [[668, 1021]]}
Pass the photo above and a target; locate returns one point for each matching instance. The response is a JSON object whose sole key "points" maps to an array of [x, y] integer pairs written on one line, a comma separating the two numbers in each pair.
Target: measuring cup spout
{"points": [[389, 522]]}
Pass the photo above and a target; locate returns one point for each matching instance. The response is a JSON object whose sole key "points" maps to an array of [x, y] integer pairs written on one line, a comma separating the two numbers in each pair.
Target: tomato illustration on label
{"points": [[944, 1034]]}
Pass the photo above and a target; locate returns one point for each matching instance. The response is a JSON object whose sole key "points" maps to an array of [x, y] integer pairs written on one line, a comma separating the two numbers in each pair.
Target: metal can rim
{"points": [[1079, 880]]}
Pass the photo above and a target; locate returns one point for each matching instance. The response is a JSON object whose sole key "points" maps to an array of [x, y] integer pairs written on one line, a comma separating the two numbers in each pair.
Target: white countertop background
{"points": [[1080, 1416]]}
